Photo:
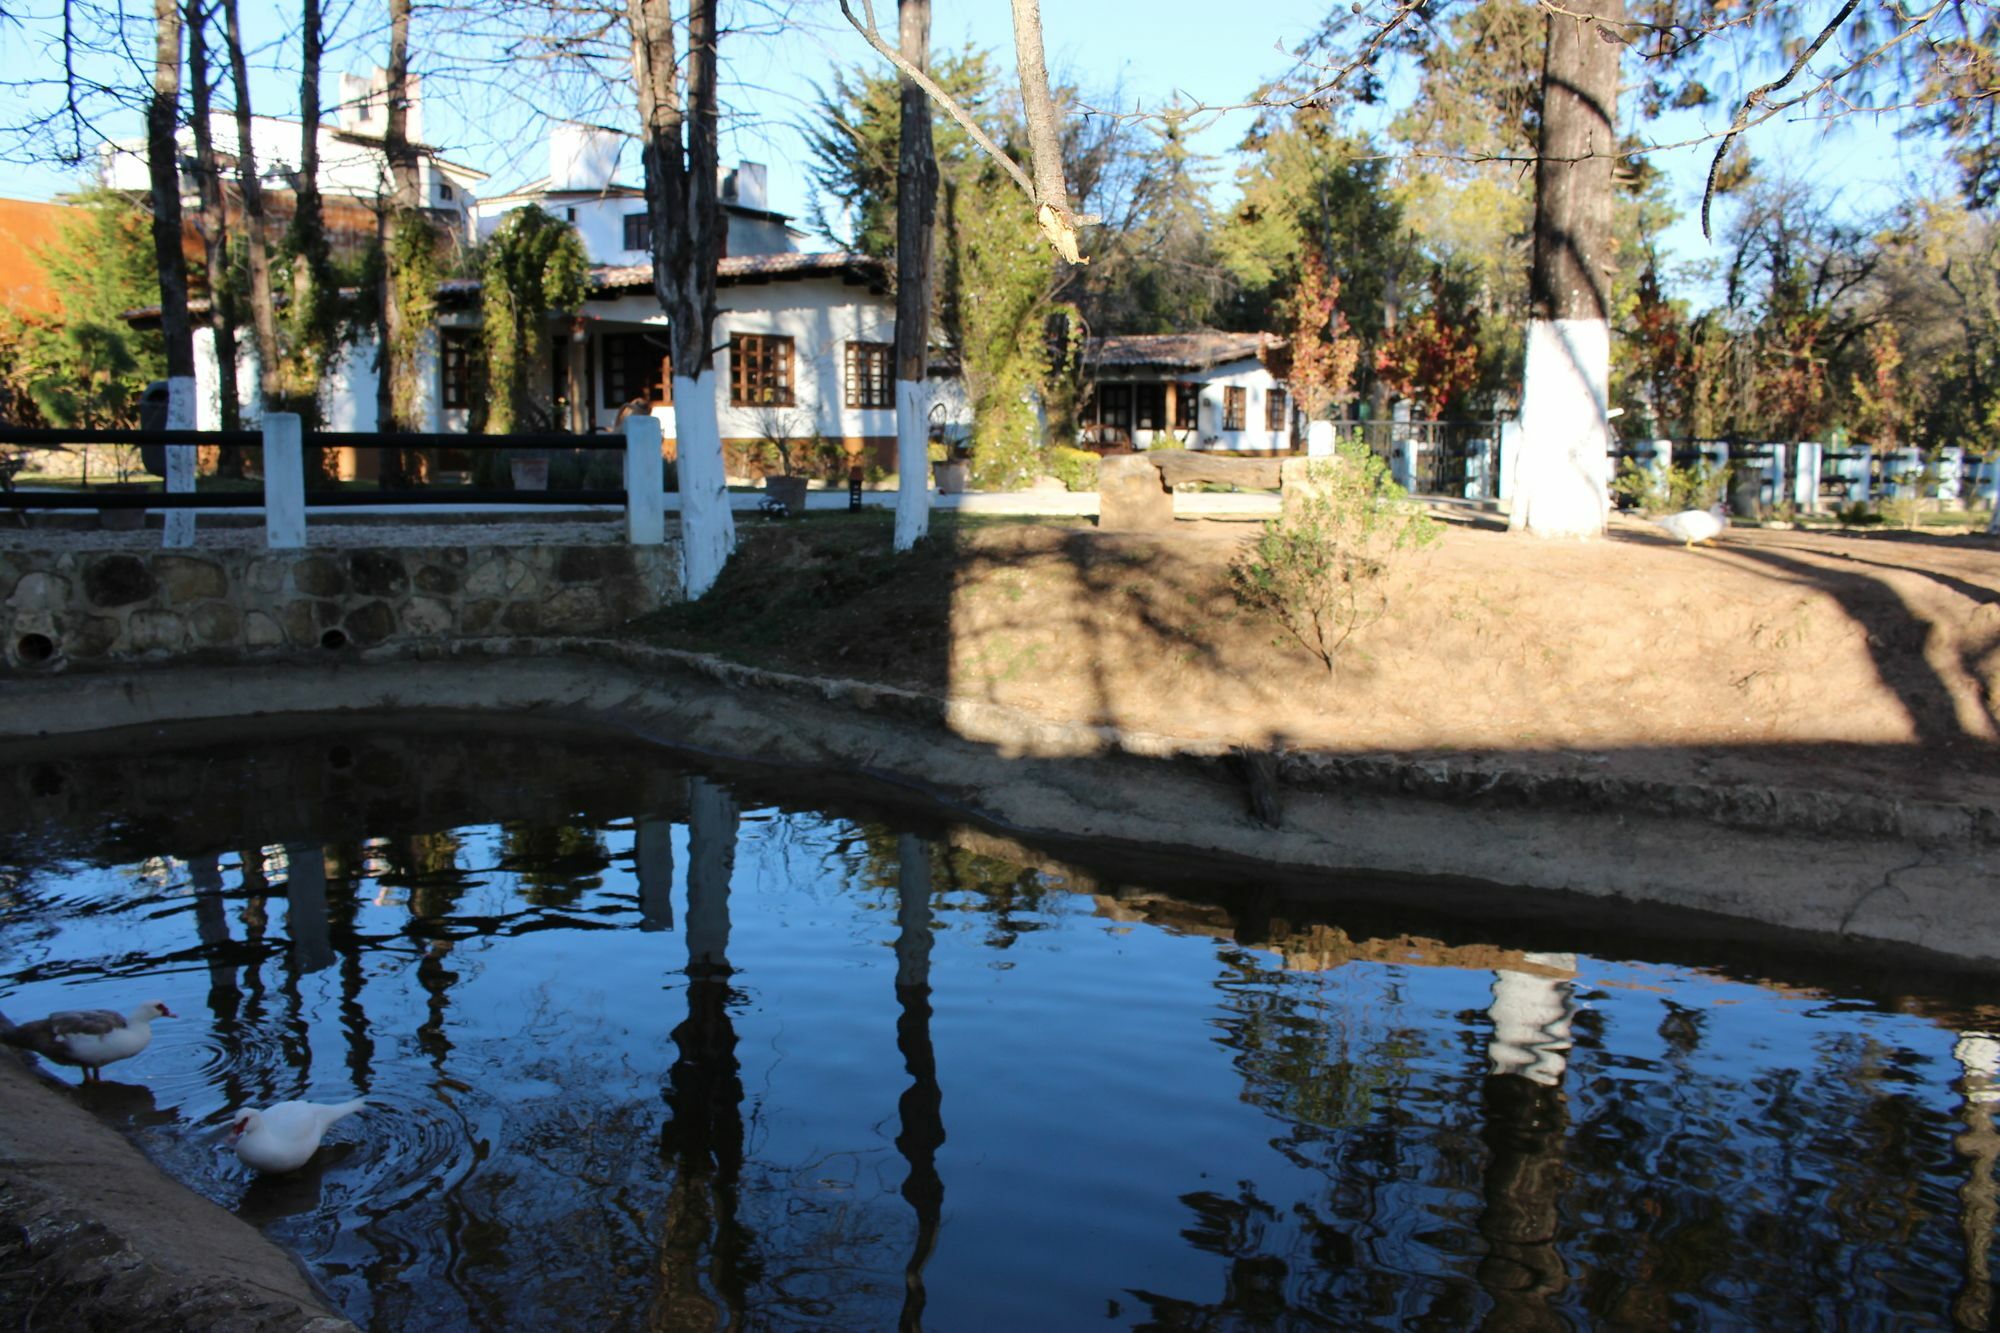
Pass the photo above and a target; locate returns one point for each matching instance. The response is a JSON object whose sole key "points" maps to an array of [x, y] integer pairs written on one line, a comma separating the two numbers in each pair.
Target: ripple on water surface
{"points": [[640, 1049]]}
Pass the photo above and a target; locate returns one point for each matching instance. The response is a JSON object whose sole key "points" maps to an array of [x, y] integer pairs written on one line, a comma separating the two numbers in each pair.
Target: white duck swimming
{"points": [[89, 1038], [1695, 525], [285, 1136]]}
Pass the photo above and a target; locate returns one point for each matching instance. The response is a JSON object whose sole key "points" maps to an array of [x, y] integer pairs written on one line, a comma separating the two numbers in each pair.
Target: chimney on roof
{"points": [[748, 186], [582, 157], [364, 106]]}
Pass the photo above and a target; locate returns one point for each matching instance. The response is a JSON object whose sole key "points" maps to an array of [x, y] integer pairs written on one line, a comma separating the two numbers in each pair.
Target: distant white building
{"points": [[353, 170], [805, 339], [1200, 390]]}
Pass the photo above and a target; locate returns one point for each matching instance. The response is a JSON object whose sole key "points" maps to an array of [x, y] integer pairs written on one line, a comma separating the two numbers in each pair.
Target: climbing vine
{"points": [[414, 272], [533, 264]]}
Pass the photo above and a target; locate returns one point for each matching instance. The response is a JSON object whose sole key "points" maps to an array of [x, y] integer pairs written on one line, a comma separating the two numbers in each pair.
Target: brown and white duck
{"points": [[88, 1038]]}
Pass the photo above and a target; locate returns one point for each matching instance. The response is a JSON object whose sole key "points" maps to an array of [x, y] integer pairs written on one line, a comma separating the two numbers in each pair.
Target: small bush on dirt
{"points": [[1684, 488], [1075, 468], [1322, 569]]}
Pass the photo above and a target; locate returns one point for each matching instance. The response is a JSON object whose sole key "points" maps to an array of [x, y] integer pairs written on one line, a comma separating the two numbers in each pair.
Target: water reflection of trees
{"points": [[1459, 1170]]}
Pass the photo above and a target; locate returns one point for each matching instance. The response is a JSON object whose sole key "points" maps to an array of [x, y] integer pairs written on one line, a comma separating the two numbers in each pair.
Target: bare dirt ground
{"points": [[1840, 661]]}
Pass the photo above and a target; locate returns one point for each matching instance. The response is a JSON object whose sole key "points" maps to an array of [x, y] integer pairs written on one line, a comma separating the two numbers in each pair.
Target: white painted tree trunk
{"points": [[712, 822], [1565, 433], [1531, 1022], [913, 464], [178, 529], [913, 911], [708, 530]]}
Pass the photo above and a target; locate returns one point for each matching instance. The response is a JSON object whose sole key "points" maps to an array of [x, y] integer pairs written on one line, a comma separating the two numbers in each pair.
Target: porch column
{"points": [[579, 381]]}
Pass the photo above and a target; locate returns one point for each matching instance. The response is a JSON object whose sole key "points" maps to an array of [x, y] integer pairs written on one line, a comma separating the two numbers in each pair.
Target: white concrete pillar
{"points": [[1402, 447], [1510, 459], [178, 526], [1531, 1021], [645, 483], [284, 481], [712, 820], [1951, 474], [1320, 439], [1808, 457], [653, 859]]}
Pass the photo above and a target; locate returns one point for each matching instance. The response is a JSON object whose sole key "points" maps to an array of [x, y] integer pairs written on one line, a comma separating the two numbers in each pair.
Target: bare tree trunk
{"points": [[687, 227], [262, 313], [1052, 211], [1565, 437], [312, 277], [916, 217], [163, 165], [390, 367], [214, 238]]}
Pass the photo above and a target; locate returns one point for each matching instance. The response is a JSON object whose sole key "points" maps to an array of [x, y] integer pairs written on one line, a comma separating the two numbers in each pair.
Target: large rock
{"points": [[1131, 496]]}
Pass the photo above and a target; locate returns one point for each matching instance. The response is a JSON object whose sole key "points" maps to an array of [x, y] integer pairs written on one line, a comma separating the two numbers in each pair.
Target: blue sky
{"points": [[1141, 51]]}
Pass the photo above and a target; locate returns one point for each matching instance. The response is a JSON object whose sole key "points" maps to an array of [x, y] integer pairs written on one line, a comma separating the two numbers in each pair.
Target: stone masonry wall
{"points": [[64, 608]]}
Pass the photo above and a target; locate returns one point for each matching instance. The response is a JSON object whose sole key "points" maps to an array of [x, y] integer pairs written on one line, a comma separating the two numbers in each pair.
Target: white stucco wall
{"points": [[599, 219], [820, 315]]}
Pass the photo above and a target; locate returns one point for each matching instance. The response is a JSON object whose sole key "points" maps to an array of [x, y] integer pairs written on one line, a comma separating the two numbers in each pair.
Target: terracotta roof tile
{"points": [[1194, 351]]}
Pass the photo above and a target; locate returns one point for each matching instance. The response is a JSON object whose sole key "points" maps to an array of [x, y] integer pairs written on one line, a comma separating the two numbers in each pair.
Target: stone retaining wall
{"points": [[64, 608]]}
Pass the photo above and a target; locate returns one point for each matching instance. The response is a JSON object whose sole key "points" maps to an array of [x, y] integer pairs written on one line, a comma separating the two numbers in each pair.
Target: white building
{"points": [[1201, 390], [353, 170]]}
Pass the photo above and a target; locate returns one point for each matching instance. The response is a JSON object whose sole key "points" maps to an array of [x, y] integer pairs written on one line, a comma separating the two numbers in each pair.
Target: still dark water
{"points": [[647, 1047]]}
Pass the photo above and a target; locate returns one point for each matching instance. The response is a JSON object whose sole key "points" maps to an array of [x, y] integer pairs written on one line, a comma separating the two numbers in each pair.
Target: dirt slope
{"points": [[1830, 660]]}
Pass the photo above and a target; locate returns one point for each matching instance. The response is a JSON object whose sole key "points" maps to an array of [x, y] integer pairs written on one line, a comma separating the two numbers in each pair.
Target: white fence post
{"points": [[645, 483], [284, 481], [177, 525], [1805, 475]]}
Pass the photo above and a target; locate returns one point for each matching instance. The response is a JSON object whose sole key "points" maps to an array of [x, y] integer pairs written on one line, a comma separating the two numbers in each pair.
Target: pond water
{"points": [[646, 1046]]}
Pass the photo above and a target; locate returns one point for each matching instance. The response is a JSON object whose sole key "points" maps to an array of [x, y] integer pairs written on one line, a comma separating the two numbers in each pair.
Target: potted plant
{"points": [[947, 471], [780, 432]]}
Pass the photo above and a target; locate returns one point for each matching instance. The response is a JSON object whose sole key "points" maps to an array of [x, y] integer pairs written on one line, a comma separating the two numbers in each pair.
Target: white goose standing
{"points": [[285, 1136], [89, 1038]]}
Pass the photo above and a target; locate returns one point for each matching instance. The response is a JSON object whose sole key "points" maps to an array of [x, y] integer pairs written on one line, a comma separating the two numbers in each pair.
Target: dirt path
{"points": [[1837, 661]]}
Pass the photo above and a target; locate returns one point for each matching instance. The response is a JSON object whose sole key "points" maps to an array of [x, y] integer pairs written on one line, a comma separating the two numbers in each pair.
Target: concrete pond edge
{"points": [[94, 1236]]}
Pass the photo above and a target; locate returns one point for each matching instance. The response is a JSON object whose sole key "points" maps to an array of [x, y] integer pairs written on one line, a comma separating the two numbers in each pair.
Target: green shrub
{"points": [[1697, 487], [1076, 469], [1322, 568]]}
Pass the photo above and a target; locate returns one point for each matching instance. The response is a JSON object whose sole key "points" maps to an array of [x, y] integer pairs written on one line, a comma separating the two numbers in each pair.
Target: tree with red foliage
{"points": [[1324, 353], [1433, 356]]}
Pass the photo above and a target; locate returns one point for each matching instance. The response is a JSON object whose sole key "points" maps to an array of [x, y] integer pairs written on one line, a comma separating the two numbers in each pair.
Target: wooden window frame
{"points": [[639, 227], [1149, 407], [761, 370], [871, 369], [1114, 404], [1274, 408], [1235, 406], [455, 368], [1187, 406], [622, 374]]}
